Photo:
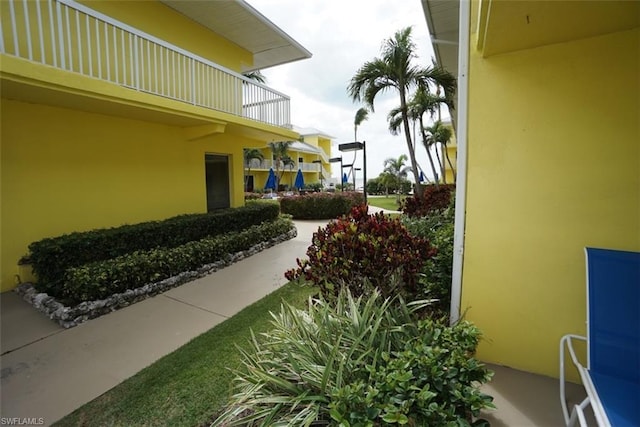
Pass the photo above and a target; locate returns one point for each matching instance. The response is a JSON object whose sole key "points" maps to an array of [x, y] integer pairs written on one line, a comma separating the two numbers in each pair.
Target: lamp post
{"points": [[356, 146], [336, 160]]}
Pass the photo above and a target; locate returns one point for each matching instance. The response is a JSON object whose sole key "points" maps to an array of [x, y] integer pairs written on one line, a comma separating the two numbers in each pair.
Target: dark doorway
{"points": [[217, 178], [249, 183]]}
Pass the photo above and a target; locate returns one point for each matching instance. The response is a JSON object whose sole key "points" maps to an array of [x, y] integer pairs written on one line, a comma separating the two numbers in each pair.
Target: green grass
{"points": [[385, 202], [190, 385]]}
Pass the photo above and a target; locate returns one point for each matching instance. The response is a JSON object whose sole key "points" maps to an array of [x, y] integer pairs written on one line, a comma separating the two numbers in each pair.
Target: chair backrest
{"points": [[613, 305]]}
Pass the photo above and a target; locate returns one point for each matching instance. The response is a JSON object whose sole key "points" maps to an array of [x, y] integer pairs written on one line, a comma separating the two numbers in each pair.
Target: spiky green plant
{"points": [[363, 362]]}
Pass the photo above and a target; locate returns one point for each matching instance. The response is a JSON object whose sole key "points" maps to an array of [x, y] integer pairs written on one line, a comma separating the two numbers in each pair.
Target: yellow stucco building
{"points": [[310, 155], [118, 112], [548, 145]]}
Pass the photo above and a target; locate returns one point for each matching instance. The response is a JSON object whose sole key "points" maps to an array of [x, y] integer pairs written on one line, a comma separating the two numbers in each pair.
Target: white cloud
{"points": [[342, 35]]}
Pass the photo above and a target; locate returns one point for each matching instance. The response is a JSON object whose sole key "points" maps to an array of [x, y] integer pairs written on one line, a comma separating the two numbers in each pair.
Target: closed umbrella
{"points": [[422, 178], [271, 180], [345, 179], [299, 180]]}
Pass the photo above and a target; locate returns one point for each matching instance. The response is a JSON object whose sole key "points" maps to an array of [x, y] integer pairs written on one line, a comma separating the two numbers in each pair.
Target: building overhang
{"points": [[243, 25], [504, 26]]}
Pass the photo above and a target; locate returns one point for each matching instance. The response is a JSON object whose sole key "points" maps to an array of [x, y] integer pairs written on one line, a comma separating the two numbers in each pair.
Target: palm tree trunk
{"points": [[433, 166], [453, 171], [407, 133], [441, 165]]}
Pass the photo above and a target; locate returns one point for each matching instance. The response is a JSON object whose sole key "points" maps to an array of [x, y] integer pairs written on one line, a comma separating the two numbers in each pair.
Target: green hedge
{"points": [[101, 279], [321, 205], [51, 257]]}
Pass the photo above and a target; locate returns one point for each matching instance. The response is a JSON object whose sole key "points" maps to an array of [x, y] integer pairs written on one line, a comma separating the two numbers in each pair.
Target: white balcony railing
{"points": [[267, 164], [73, 37]]}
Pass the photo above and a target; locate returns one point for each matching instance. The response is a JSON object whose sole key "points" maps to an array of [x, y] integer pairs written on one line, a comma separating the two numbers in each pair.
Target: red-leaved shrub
{"points": [[433, 198], [320, 205], [364, 252]]}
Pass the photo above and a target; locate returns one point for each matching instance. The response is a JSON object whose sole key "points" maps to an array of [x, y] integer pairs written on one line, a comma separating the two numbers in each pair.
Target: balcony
{"points": [[267, 164], [71, 37]]}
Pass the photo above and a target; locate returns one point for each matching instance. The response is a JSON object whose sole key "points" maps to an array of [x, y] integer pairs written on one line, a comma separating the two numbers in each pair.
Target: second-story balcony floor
{"points": [[68, 37], [266, 164]]}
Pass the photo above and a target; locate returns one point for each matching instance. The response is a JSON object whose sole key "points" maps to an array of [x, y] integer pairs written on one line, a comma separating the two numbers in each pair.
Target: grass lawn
{"points": [[385, 202], [188, 386]]}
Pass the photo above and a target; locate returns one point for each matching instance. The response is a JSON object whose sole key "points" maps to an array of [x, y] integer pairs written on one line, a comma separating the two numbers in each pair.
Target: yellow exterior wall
{"points": [[553, 166], [65, 170], [161, 21]]}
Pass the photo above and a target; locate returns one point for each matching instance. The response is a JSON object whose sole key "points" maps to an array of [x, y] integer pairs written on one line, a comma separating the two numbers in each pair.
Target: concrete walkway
{"points": [[48, 371]]}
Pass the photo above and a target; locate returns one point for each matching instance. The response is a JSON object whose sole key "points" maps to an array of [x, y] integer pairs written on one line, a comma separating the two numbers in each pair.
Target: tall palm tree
{"points": [[361, 115], [280, 150], [397, 169], [430, 141], [394, 70], [422, 102], [249, 155], [441, 134]]}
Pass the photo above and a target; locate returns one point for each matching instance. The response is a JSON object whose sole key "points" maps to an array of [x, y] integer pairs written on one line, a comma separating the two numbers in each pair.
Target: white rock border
{"points": [[69, 317]]}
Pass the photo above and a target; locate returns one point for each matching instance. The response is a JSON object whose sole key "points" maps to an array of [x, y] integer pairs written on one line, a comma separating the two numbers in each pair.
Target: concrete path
{"points": [[48, 371]]}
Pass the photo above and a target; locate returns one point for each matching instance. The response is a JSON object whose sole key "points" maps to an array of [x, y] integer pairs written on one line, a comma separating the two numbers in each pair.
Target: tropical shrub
{"points": [[252, 196], [313, 186], [364, 252], [51, 257], [374, 186], [100, 279], [433, 198], [438, 228], [320, 205], [360, 362]]}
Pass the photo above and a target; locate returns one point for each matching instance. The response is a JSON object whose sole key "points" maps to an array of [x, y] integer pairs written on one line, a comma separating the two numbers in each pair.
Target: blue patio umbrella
{"points": [[344, 178], [299, 180], [422, 178], [271, 180]]}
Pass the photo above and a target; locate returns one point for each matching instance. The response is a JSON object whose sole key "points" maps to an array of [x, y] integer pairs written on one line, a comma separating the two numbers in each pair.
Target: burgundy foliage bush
{"points": [[433, 198], [364, 252], [320, 205]]}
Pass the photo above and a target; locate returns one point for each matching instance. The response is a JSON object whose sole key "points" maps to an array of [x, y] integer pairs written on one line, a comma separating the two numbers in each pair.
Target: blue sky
{"points": [[342, 35]]}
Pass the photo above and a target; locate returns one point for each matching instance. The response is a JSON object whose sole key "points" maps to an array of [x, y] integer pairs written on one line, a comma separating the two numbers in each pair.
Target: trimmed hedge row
{"points": [[321, 205], [51, 257], [101, 279]]}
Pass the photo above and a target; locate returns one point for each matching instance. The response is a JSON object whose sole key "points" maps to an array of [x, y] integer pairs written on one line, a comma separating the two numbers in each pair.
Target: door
{"points": [[217, 179]]}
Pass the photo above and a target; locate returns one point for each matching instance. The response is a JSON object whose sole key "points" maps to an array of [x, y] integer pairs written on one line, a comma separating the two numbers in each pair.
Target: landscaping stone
{"points": [[69, 317]]}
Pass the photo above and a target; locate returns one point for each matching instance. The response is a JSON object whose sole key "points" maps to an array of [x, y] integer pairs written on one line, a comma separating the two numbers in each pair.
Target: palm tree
{"points": [[429, 141], [441, 134], [387, 180], [280, 150], [287, 161], [256, 76], [249, 155], [393, 70], [422, 102], [397, 169], [361, 115]]}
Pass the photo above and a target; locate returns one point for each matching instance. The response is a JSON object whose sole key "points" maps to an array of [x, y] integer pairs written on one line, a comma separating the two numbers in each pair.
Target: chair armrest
{"points": [[567, 341], [592, 395]]}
